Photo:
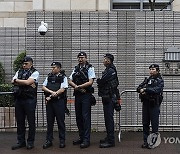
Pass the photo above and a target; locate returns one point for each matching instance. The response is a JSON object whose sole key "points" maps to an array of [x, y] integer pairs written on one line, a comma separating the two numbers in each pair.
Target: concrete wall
{"points": [[71, 5], [176, 5], [13, 12], [136, 39]]}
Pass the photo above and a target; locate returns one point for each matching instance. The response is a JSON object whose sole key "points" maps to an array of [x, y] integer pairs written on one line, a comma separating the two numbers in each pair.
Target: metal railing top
{"points": [[165, 90]]}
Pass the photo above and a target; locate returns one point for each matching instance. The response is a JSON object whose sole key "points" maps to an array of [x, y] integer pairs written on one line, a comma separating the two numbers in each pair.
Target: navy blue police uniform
{"points": [[25, 105], [151, 99], [55, 106], [79, 76], [107, 89]]}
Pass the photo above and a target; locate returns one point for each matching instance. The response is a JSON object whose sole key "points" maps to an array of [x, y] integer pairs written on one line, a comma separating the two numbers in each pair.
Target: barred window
{"points": [[139, 5], [172, 54]]}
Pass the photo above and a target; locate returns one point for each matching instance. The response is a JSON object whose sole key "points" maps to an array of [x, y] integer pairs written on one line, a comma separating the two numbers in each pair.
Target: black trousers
{"points": [[83, 116], [55, 109], [150, 114], [108, 108], [25, 108]]}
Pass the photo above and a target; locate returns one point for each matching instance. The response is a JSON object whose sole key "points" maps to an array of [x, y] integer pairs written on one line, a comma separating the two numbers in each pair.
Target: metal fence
{"points": [[129, 118]]}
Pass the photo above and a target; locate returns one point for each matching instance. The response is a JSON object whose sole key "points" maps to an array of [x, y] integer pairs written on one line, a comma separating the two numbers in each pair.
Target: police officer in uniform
{"points": [[107, 89], [54, 87], [25, 90], [150, 91], [81, 79]]}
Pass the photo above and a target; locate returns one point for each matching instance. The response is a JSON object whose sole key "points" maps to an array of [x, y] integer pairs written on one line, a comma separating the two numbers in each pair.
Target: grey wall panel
{"points": [[136, 39], [12, 42]]}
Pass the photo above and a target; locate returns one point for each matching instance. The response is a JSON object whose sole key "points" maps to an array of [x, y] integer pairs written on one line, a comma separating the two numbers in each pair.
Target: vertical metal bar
{"points": [[111, 5], [42, 106], [141, 5]]}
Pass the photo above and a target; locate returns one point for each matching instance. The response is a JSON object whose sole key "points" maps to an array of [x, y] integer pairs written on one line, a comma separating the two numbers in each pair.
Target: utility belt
{"points": [[57, 98], [28, 92], [152, 99], [105, 92], [82, 91], [61, 96]]}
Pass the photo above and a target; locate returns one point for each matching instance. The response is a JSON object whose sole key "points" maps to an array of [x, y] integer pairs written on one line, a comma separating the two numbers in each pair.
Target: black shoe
{"points": [[144, 145], [106, 145], [18, 146], [103, 140], [76, 142], [30, 146], [84, 145], [62, 144], [47, 145]]}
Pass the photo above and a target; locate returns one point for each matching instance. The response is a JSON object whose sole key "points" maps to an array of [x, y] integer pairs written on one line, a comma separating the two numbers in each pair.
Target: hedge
{"points": [[6, 100]]}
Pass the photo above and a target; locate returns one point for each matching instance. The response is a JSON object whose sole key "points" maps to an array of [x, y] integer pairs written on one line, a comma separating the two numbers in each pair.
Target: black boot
{"points": [[18, 146]]}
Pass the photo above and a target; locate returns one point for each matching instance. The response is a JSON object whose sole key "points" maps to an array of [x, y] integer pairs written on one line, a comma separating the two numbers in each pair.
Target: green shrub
{"points": [[6, 100], [18, 61], [2, 74]]}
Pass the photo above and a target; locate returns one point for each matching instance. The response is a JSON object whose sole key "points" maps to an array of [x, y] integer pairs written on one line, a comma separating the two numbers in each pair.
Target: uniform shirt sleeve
{"points": [[65, 83], [70, 77], [35, 76], [45, 82], [15, 76], [91, 73]]}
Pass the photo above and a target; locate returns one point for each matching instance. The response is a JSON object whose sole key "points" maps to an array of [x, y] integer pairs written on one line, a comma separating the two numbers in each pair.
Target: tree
{"points": [[2, 74], [152, 4], [18, 61], [169, 3]]}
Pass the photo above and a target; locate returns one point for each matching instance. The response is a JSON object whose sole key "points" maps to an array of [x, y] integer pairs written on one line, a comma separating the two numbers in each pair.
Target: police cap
{"points": [[154, 66], [82, 54], [28, 59], [110, 56], [58, 64]]}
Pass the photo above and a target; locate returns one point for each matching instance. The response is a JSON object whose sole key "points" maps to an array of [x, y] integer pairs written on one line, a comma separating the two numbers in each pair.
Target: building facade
{"points": [[13, 13]]}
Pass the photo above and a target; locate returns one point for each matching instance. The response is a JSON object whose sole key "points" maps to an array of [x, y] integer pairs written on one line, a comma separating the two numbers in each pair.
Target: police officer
{"points": [[81, 79], [151, 90], [25, 82], [107, 89], [55, 86]]}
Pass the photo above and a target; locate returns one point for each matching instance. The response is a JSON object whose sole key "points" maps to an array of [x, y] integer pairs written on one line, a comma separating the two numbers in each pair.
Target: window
{"points": [[139, 5], [172, 54], [126, 6]]}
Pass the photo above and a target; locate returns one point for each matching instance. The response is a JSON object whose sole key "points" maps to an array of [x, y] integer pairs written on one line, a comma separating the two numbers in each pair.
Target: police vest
{"points": [[54, 82], [27, 90], [111, 85], [150, 83], [80, 76]]}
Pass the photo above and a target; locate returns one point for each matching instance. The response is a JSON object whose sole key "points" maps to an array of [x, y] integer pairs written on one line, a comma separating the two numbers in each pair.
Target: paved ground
{"points": [[130, 144]]}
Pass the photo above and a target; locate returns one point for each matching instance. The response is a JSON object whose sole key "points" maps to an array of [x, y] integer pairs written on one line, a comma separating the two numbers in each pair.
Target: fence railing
{"points": [[130, 116]]}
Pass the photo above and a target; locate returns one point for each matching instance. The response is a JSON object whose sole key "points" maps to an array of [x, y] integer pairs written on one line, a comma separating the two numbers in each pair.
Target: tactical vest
{"points": [[54, 82], [27, 90], [110, 88], [151, 82], [80, 76]]}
